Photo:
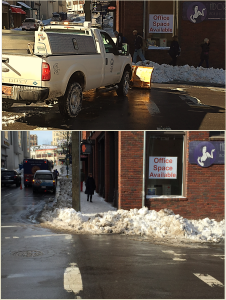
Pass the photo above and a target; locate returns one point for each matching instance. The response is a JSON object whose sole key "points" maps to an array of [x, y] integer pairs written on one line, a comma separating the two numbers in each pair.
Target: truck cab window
{"points": [[109, 44]]}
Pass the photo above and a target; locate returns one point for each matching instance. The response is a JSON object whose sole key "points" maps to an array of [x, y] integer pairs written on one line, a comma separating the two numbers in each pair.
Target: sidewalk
{"points": [[98, 204]]}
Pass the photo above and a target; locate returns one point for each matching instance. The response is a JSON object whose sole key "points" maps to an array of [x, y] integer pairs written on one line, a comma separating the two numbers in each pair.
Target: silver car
{"points": [[44, 180], [30, 24]]}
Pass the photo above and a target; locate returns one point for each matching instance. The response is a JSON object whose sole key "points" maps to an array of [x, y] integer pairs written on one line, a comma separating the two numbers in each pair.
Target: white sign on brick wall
{"points": [[162, 167], [160, 23]]}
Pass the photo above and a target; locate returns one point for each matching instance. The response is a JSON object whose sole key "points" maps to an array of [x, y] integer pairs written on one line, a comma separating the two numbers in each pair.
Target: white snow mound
{"points": [[143, 222], [166, 73]]}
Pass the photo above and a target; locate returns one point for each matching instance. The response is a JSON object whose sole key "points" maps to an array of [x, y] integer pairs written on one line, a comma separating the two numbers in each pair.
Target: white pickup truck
{"points": [[63, 60]]}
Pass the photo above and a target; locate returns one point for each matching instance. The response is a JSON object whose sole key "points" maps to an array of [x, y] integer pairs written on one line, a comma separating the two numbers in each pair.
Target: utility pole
{"points": [[87, 10], [67, 155], [75, 170]]}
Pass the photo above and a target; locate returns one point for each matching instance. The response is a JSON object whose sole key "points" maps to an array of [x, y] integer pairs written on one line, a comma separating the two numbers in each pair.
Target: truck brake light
{"points": [[45, 72]]}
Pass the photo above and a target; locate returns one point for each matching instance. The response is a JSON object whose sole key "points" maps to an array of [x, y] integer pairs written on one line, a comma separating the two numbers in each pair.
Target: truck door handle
{"points": [[106, 61]]}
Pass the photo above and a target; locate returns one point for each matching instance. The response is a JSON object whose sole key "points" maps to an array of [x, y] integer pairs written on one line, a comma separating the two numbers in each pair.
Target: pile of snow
{"points": [[143, 222], [167, 73]]}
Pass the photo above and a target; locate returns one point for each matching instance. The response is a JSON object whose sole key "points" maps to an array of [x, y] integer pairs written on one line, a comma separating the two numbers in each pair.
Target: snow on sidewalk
{"points": [[100, 217]]}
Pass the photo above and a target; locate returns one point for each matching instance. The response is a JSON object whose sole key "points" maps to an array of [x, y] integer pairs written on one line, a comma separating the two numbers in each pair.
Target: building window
{"points": [[216, 134], [162, 22], [164, 167], [38, 155], [6, 135]]}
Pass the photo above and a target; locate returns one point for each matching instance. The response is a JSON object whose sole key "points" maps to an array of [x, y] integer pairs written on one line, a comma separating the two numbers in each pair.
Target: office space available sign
{"points": [[160, 23], [162, 167]]}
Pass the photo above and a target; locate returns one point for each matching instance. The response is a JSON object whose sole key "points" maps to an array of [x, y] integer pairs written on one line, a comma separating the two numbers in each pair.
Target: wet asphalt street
{"points": [[38, 263], [165, 106]]}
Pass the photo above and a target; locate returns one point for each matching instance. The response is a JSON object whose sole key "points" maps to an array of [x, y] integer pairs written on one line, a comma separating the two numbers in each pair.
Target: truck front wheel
{"points": [[123, 86], [70, 104]]}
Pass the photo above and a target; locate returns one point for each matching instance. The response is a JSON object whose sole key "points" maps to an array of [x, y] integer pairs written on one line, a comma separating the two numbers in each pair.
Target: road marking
{"points": [[34, 236], [193, 101], [8, 194], [211, 281], [9, 226], [152, 108], [73, 279], [175, 254], [220, 255], [179, 259]]}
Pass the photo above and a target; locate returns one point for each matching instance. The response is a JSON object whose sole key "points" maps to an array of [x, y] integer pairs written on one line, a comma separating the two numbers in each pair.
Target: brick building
{"points": [[33, 140], [175, 17], [182, 171]]}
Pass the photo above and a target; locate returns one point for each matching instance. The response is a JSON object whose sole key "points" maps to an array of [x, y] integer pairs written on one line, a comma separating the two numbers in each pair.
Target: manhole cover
{"points": [[28, 253]]}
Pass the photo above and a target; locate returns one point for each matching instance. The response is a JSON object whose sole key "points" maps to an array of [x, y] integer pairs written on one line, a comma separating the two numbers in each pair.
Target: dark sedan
{"points": [[10, 177]]}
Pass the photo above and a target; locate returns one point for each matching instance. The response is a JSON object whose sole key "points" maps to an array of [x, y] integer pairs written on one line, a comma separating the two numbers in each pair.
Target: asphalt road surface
{"points": [[165, 106], [38, 263]]}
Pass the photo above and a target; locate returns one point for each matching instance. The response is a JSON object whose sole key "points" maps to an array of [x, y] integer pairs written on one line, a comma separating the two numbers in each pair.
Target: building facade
{"points": [[14, 12], [45, 152], [191, 21], [15, 146], [33, 140], [182, 171]]}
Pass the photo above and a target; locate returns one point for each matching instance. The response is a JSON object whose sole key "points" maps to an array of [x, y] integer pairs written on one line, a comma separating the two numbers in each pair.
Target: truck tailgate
{"points": [[22, 70]]}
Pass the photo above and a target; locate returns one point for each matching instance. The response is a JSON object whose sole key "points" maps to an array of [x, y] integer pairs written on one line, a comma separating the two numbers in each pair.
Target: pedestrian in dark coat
{"points": [[205, 52], [138, 42], [174, 51], [90, 187], [119, 40]]}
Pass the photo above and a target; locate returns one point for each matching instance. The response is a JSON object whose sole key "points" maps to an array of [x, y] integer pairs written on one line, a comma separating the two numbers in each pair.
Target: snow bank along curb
{"points": [[144, 222], [167, 73]]}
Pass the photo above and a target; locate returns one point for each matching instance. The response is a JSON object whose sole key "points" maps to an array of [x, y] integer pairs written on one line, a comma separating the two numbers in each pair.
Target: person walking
{"points": [[82, 178], [205, 52], [138, 42], [174, 50], [119, 40], [90, 187]]}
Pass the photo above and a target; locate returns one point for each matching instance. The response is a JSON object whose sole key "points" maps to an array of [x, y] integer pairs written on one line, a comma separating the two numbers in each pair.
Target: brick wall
{"points": [[191, 36], [130, 164], [129, 16], [204, 194]]}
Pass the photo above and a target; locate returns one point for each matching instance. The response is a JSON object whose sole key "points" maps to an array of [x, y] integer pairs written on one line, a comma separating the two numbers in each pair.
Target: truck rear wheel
{"points": [[70, 104], [123, 86]]}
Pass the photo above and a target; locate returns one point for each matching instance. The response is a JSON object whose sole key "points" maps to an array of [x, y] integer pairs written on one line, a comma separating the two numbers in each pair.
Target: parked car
{"points": [[10, 177], [60, 16], [44, 180], [30, 24]]}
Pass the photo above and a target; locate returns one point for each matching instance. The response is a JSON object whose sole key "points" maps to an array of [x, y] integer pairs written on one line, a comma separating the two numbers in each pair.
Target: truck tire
{"points": [[6, 105], [123, 86], [70, 104]]}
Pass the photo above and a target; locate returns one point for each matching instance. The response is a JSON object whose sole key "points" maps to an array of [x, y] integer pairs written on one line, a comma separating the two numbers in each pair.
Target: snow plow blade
{"points": [[141, 76]]}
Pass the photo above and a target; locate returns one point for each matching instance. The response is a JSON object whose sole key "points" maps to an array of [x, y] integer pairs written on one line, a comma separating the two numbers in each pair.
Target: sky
{"points": [[44, 136]]}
